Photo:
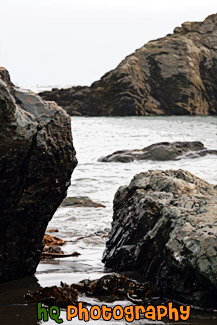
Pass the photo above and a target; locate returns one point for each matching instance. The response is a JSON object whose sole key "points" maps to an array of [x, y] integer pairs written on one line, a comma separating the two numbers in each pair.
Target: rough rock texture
{"points": [[165, 226], [176, 74], [37, 158], [161, 151]]}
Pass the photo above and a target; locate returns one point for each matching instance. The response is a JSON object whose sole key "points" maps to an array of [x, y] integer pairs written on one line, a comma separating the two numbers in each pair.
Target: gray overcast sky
{"points": [[74, 42]]}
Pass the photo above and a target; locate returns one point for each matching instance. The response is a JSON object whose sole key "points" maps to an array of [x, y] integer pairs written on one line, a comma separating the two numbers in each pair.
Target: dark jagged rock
{"points": [[173, 75], [37, 158], [165, 226], [161, 151]]}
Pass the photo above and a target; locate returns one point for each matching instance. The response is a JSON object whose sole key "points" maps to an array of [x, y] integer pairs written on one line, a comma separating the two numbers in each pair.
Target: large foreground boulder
{"points": [[37, 158], [176, 74], [161, 151], [165, 227]]}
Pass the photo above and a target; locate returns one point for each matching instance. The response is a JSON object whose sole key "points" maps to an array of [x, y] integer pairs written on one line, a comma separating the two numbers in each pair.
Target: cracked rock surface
{"points": [[37, 158], [165, 227], [173, 75]]}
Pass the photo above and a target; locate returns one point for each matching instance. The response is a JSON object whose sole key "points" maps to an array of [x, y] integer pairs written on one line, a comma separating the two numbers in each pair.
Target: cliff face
{"points": [[171, 75], [37, 158]]}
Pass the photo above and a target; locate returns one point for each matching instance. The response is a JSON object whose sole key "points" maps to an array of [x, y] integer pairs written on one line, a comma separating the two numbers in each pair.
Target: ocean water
{"points": [[94, 137]]}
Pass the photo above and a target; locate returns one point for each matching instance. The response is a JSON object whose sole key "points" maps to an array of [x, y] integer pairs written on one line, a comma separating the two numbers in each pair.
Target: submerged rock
{"points": [[173, 75], [37, 158], [81, 201], [165, 227], [161, 151]]}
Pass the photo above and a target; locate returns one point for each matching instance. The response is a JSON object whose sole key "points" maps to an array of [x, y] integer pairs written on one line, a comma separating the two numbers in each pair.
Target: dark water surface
{"points": [[93, 138]]}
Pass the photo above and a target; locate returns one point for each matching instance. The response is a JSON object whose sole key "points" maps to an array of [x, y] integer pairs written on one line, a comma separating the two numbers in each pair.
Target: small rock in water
{"points": [[81, 201], [162, 151]]}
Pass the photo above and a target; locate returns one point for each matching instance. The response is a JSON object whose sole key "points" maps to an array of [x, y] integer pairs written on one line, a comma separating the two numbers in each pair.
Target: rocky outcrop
{"points": [[37, 158], [161, 151], [165, 226], [173, 75]]}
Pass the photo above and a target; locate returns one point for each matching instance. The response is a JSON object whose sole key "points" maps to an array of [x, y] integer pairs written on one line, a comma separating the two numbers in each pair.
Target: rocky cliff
{"points": [[37, 158], [171, 75], [165, 227]]}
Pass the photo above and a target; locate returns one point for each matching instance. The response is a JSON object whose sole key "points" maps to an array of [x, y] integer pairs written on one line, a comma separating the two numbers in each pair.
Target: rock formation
{"points": [[161, 151], [173, 75], [37, 158], [165, 227]]}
